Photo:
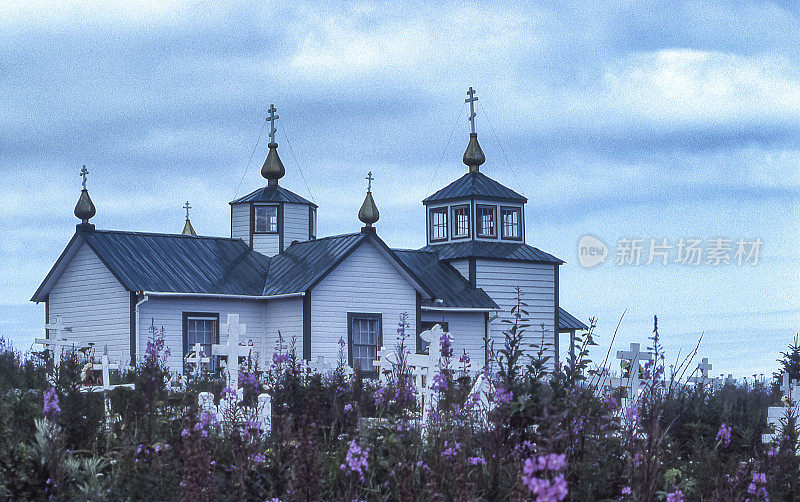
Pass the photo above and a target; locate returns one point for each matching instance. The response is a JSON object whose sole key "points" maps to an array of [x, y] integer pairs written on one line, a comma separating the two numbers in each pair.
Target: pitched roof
{"points": [[273, 193], [568, 322], [444, 281], [515, 251], [302, 264], [476, 185], [172, 262]]}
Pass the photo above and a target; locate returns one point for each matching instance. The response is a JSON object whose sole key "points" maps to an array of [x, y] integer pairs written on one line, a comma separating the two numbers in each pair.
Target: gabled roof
{"points": [[304, 264], [515, 251], [476, 185], [273, 193], [568, 322], [445, 281], [173, 263]]}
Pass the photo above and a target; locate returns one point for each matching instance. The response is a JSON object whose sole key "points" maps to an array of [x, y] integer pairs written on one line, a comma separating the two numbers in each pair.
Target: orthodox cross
{"points": [[83, 174], [369, 179], [632, 357], [272, 118], [471, 100], [187, 207], [55, 340], [232, 349], [104, 367]]}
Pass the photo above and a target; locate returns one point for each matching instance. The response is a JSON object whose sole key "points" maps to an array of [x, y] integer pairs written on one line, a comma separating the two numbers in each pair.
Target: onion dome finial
{"points": [[473, 156], [272, 169], [84, 209], [188, 229], [368, 214]]}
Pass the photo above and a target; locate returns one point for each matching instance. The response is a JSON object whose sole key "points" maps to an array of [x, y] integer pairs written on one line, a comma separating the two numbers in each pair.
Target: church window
{"points": [[266, 220], [460, 221], [486, 221], [511, 223], [312, 223], [364, 336], [202, 328], [438, 222]]}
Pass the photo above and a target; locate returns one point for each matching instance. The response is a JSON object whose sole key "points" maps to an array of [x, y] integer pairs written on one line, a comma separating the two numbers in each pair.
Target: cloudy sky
{"points": [[639, 120]]}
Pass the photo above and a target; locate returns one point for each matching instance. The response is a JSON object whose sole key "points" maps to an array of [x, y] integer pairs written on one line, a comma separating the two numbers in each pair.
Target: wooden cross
{"points": [[471, 100], [232, 349], [272, 118], [633, 356], [196, 357], [55, 339], [83, 174], [369, 179], [105, 384], [187, 207], [703, 379]]}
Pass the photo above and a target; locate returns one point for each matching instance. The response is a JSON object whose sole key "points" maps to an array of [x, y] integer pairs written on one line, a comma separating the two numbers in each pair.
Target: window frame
{"points": [[312, 223], [353, 316], [479, 221], [186, 317], [276, 207], [503, 235], [454, 221], [444, 210]]}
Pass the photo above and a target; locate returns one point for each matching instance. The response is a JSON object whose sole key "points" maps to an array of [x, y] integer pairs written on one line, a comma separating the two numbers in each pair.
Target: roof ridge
{"points": [[352, 234], [161, 234]]}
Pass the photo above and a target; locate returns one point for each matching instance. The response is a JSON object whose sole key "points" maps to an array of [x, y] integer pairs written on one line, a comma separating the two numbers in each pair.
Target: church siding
{"points": [[462, 266], [286, 315], [94, 304], [363, 283], [467, 329], [537, 284], [295, 223], [266, 244], [168, 312], [240, 222]]}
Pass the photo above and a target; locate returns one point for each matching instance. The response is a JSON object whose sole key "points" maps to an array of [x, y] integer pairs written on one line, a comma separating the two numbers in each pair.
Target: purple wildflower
{"points": [[248, 378], [279, 359], [503, 395], [610, 403], [439, 382], [51, 409], [447, 344], [228, 393], [380, 397], [350, 407], [451, 451], [724, 435], [676, 496], [626, 490], [476, 461], [356, 460], [632, 415]]}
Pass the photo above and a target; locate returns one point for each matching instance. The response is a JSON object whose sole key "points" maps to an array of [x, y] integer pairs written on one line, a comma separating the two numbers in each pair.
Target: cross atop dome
{"points": [[272, 169], [188, 229], [83, 174], [473, 156], [272, 118], [84, 209]]}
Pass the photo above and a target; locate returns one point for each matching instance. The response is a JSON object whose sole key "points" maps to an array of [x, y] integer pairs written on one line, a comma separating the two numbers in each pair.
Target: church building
{"points": [[280, 276]]}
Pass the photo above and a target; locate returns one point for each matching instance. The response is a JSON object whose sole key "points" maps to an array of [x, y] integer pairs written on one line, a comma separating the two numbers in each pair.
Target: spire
{"points": [[84, 209], [188, 229], [473, 156], [272, 169], [368, 214]]}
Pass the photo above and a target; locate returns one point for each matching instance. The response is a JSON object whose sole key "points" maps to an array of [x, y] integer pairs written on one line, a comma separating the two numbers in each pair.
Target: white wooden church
{"points": [[273, 270]]}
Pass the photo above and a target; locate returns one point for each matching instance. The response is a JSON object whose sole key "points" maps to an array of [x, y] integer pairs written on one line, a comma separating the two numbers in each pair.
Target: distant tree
{"points": [[790, 363]]}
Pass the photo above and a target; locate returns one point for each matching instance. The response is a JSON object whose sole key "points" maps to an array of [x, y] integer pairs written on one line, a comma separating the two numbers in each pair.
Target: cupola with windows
{"points": [[271, 218], [474, 207]]}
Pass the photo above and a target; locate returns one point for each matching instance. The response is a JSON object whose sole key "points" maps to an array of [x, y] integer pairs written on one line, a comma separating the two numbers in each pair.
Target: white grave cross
{"points": [[56, 340], [105, 384], [232, 349], [633, 356], [703, 379], [197, 358]]}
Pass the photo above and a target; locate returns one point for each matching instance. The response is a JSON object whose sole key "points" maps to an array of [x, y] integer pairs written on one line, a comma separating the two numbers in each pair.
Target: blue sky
{"points": [[640, 119]]}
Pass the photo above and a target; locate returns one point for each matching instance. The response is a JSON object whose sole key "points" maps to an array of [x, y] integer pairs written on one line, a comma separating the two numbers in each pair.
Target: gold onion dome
{"points": [[84, 209], [473, 156], [273, 169]]}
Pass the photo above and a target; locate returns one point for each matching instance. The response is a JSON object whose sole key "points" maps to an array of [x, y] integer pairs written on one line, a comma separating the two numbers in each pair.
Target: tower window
{"points": [[511, 223], [486, 221], [312, 223], [460, 221], [266, 219], [438, 223]]}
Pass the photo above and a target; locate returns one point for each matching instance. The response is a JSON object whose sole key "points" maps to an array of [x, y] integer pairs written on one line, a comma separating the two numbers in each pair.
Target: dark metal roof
{"points": [[476, 185], [273, 193], [568, 322], [516, 251], [444, 281], [303, 263], [180, 263]]}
